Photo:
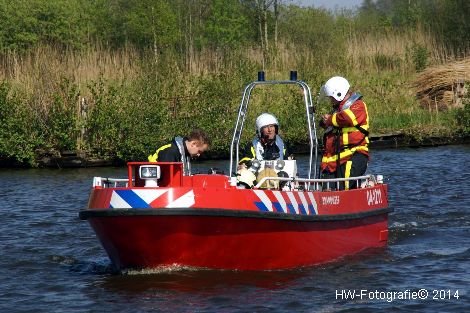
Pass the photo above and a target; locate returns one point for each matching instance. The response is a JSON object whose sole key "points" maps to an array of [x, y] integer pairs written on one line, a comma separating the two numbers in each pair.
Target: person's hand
{"points": [[241, 167], [324, 121]]}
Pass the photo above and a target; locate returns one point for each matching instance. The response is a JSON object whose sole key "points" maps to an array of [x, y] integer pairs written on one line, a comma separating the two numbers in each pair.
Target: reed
{"points": [[41, 68], [394, 50], [435, 86], [136, 99]]}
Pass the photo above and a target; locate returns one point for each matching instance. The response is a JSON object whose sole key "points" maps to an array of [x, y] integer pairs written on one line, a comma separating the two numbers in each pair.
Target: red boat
{"points": [[158, 217]]}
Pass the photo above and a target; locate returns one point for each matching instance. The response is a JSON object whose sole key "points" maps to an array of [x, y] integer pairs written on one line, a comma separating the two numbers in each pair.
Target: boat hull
{"points": [[221, 239]]}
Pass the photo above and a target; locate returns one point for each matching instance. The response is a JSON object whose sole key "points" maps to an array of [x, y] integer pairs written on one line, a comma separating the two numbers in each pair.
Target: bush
{"points": [[61, 120], [463, 116], [419, 55], [386, 62], [20, 135]]}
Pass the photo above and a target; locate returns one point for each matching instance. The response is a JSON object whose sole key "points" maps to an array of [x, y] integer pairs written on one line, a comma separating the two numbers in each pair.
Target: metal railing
{"points": [[242, 114], [106, 182], [322, 184]]}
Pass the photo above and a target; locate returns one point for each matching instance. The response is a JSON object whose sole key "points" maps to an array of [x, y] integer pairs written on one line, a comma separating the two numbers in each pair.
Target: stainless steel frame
{"points": [[309, 109]]}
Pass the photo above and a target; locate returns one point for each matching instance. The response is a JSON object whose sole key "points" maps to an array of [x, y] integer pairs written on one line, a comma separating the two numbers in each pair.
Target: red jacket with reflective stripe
{"points": [[351, 139]]}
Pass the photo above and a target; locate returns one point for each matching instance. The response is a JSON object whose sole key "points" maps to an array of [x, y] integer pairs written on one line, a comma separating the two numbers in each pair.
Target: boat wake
{"points": [[163, 269]]}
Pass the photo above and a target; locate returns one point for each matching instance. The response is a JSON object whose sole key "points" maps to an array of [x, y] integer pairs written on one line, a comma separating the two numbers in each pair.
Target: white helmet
{"points": [[264, 120], [336, 87]]}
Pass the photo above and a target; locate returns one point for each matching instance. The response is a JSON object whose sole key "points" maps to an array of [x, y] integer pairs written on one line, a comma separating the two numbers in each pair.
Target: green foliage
{"points": [[148, 23], [26, 23], [392, 108], [419, 55], [448, 20], [195, 58], [61, 123], [209, 102], [126, 122], [142, 122], [163, 24], [371, 16], [387, 62], [405, 13], [463, 116], [225, 27], [103, 125], [19, 134], [317, 31]]}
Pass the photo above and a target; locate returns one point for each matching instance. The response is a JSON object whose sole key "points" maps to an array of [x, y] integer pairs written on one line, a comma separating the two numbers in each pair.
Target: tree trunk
{"points": [[265, 14], [260, 27], [276, 20], [155, 45]]}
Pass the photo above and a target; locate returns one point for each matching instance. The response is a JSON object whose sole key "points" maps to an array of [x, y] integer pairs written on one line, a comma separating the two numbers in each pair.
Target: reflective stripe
{"points": [[353, 98], [244, 159], [351, 141], [345, 133], [347, 130], [344, 154], [345, 139], [154, 157], [253, 153], [347, 174], [353, 129], [333, 120], [367, 117], [351, 116]]}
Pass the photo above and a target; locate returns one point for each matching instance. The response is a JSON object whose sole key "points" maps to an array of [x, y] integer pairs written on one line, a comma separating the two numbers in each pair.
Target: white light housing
{"points": [[97, 182], [280, 165], [255, 164], [151, 174], [380, 179]]}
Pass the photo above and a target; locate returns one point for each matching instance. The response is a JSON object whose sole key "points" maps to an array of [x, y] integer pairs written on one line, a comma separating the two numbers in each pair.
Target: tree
{"points": [[448, 19], [226, 26], [266, 15], [26, 23], [144, 24]]}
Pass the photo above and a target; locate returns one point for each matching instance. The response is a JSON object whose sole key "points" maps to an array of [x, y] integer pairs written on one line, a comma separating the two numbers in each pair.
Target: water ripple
{"points": [[53, 262]]}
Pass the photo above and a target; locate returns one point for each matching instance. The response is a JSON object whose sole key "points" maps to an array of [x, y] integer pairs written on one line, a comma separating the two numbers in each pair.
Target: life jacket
{"points": [[186, 161], [258, 150], [347, 135]]}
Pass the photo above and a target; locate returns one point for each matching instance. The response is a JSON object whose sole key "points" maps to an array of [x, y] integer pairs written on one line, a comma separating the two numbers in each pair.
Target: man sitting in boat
{"points": [[267, 145], [183, 149]]}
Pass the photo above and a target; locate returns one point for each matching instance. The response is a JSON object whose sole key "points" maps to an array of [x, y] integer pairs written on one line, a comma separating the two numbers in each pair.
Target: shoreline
{"points": [[79, 159]]}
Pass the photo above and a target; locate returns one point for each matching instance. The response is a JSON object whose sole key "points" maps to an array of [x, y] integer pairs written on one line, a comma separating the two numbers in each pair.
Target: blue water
{"points": [[51, 261]]}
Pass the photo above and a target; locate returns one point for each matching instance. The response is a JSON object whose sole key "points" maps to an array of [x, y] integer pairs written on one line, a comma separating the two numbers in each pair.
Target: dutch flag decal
{"points": [[137, 198]]}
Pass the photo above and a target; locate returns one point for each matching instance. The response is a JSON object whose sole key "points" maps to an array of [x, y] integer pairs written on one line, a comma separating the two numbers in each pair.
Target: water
{"points": [[52, 262]]}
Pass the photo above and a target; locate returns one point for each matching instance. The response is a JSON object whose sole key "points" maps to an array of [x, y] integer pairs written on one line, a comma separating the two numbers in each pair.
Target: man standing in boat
{"points": [[346, 138], [183, 149], [267, 144]]}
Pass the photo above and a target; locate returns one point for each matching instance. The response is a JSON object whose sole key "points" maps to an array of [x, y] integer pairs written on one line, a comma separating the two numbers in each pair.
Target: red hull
{"points": [[245, 243], [202, 221]]}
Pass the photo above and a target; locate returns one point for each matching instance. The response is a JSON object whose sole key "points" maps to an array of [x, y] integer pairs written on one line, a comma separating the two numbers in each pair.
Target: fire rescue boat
{"points": [[158, 217]]}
